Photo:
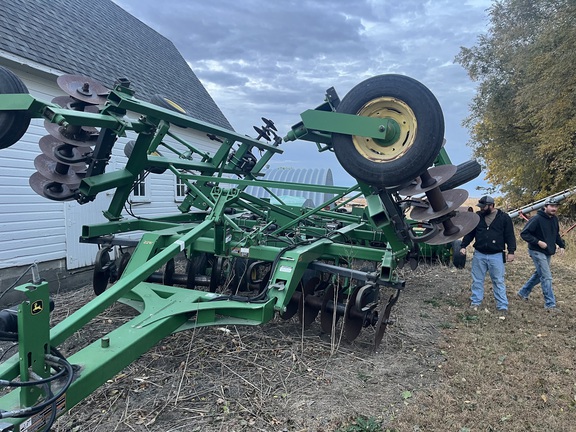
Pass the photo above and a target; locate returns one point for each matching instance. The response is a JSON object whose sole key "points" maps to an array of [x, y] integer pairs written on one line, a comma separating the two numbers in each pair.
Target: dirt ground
{"points": [[512, 375], [274, 377], [440, 367]]}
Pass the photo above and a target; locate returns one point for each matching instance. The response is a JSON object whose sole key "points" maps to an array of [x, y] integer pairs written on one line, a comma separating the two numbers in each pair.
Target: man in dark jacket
{"points": [[493, 233], [542, 234]]}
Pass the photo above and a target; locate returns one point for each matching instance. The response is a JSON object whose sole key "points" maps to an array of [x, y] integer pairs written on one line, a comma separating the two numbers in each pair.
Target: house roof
{"points": [[101, 40]]}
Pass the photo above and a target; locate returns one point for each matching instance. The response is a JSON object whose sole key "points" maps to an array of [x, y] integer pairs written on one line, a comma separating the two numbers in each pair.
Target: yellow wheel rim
{"points": [[399, 112], [175, 105]]}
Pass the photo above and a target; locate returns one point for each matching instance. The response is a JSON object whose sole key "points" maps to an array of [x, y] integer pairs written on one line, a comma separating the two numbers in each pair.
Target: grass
{"points": [[433, 302], [517, 374], [362, 424]]}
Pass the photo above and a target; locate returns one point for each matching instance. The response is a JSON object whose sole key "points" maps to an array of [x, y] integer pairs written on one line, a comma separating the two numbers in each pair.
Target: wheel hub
{"points": [[400, 128]]}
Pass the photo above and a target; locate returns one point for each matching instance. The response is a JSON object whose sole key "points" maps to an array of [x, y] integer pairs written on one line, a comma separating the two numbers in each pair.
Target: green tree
{"points": [[523, 117]]}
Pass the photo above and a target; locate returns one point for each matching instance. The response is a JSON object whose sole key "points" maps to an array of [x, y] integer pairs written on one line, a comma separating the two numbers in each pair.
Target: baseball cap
{"points": [[484, 201], [552, 201]]}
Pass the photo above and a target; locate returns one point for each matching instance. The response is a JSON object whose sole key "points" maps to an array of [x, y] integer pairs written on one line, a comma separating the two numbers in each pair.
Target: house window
{"points": [[180, 191], [140, 192]]}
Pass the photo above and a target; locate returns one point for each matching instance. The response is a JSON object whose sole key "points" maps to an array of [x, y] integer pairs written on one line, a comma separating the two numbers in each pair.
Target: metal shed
{"points": [[313, 176]]}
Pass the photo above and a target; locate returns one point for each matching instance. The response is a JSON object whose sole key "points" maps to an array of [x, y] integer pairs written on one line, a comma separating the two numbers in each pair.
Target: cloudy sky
{"points": [[275, 59]]}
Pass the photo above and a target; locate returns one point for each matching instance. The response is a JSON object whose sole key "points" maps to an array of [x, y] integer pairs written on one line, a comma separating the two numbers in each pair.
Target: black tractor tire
{"points": [[418, 114], [458, 259], [465, 172], [13, 124]]}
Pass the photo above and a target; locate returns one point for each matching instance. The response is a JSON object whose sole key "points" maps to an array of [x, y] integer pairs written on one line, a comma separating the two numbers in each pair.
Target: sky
{"points": [[275, 59]]}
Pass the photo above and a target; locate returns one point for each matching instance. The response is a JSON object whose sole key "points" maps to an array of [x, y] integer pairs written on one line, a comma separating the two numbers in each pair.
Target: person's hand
{"points": [[542, 245], [510, 257], [561, 250], [463, 251]]}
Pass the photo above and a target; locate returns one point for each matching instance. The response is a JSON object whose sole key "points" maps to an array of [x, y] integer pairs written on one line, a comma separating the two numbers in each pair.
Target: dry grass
{"points": [[273, 377], [440, 368], [517, 374]]}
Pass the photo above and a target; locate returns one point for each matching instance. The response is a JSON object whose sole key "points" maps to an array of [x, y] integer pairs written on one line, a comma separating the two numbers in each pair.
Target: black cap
{"points": [[484, 201], [552, 201]]}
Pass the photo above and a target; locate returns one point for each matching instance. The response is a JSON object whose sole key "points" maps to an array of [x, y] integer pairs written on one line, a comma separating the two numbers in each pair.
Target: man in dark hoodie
{"points": [[493, 233], [542, 234]]}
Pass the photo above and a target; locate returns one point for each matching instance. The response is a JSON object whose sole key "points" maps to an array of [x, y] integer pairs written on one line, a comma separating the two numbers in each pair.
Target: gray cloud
{"points": [[276, 59]]}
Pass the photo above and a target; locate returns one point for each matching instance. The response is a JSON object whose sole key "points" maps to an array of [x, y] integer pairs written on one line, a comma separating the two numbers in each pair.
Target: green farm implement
{"points": [[245, 258]]}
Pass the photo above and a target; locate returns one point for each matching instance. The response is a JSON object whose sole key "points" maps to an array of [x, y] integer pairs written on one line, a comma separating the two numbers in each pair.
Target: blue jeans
{"points": [[542, 275], [494, 265]]}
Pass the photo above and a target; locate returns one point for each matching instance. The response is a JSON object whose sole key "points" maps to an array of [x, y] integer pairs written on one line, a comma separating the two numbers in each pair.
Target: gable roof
{"points": [[101, 40]]}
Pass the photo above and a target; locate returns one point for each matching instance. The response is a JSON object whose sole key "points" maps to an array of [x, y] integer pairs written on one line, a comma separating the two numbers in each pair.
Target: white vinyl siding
{"points": [[36, 229], [32, 227]]}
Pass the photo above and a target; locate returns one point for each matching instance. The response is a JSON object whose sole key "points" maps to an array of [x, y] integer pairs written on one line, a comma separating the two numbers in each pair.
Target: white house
{"points": [[41, 40]]}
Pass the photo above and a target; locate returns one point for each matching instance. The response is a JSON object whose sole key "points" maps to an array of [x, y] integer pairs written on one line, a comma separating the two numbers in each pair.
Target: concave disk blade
{"points": [[465, 222], [49, 189], [440, 173], [83, 88], [47, 167]]}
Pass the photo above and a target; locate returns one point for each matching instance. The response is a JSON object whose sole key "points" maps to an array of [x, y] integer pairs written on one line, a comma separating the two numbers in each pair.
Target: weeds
{"points": [[362, 424], [433, 302]]}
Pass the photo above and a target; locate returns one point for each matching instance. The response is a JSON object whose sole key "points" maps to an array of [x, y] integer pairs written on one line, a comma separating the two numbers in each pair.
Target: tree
{"points": [[523, 117]]}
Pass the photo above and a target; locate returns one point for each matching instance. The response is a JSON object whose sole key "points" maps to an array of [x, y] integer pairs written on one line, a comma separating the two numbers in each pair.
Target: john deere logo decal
{"points": [[37, 307]]}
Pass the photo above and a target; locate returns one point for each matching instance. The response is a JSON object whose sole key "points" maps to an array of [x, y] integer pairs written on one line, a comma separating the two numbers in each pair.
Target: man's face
{"points": [[551, 209], [486, 210]]}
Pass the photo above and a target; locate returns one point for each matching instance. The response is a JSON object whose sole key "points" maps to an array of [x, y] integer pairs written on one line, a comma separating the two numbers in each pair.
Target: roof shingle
{"points": [[101, 40]]}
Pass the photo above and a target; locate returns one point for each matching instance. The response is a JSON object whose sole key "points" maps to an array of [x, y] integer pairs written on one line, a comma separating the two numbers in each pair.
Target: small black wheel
{"points": [[101, 275], [241, 279], [122, 263], [416, 131], [458, 259], [218, 273], [465, 172], [196, 266], [13, 124], [169, 271]]}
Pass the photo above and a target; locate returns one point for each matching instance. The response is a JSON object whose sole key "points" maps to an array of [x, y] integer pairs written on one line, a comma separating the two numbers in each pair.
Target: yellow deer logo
{"points": [[37, 307]]}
